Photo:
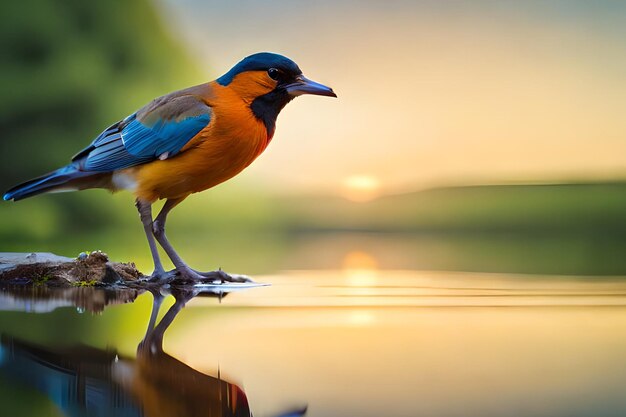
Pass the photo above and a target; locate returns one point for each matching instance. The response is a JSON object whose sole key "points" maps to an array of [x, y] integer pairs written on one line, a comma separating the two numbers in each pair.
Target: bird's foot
{"points": [[190, 276], [160, 276], [221, 276]]}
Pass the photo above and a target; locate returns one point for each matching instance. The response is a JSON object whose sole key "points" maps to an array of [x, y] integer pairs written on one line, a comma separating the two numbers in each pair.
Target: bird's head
{"points": [[267, 82]]}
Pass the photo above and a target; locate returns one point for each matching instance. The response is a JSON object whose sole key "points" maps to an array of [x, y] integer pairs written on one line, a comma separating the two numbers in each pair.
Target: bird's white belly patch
{"points": [[123, 181]]}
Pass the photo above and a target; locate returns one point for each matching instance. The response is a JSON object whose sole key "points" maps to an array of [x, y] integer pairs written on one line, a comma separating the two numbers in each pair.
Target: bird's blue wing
{"points": [[159, 130]]}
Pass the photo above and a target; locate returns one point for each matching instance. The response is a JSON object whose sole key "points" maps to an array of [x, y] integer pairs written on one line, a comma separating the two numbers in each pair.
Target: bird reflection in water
{"points": [[86, 381]]}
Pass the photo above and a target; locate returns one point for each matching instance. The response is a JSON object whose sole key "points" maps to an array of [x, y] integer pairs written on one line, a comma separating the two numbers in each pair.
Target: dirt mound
{"points": [[89, 269]]}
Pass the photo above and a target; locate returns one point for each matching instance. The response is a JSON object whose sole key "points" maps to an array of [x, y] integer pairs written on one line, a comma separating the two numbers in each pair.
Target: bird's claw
{"points": [[222, 276], [190, 276], [160, 277]]}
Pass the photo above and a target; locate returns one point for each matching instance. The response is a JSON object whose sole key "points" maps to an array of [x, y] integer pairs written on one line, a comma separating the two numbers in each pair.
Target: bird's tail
{"points": [[68, 178]]}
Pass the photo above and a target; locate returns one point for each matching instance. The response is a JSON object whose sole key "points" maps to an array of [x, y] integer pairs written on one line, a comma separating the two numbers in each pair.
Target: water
{"points": [[351, 342]]}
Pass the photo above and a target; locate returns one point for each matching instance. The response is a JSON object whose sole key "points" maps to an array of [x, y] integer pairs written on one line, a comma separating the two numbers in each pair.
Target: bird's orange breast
{"points": [[232, 140]]}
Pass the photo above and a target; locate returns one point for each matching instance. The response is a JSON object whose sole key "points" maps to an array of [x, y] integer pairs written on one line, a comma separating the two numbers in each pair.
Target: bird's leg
{"points": [[156, 306], [158, 229], [185, 271], [145, 214], [156, 335]]}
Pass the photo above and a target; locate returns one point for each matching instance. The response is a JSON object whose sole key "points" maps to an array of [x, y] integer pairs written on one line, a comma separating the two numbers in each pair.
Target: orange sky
{"points": [[431, 93]]}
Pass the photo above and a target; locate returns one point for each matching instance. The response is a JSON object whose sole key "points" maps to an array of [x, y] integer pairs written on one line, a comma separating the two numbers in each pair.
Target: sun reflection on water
{"points": [[361, 318], [360, 269]]}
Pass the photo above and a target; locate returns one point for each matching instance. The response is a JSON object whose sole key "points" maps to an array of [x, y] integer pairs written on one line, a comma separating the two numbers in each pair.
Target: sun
{"points": [[361, 188]]}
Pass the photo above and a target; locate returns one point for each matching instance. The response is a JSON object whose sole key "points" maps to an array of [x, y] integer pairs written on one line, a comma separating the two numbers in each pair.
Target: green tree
{"points": [[70, 68]]}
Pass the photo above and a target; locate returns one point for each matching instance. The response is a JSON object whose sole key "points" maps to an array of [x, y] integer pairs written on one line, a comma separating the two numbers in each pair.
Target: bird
{"points": [[182, 143]]}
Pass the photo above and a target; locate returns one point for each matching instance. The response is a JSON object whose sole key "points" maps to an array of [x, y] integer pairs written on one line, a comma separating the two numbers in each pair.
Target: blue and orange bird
{"points": [[183, 143]]}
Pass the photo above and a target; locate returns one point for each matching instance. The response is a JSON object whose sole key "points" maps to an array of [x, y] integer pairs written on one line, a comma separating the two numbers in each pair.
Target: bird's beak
{"points": [[305, 86]]}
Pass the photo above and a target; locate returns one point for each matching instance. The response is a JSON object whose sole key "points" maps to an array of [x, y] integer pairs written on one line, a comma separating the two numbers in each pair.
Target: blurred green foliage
{"points": [[68, 70]]}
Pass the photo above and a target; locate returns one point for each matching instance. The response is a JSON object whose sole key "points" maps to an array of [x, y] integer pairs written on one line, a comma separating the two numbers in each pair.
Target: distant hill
{"points": [[558, 229], [590, 208]]}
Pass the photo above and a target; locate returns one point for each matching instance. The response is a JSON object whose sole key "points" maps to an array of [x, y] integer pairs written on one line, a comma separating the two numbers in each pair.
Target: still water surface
{"points": [[355, 342]]}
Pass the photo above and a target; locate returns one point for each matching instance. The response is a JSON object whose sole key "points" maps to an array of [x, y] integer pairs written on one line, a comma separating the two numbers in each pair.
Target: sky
{"points": [[430, 93]]}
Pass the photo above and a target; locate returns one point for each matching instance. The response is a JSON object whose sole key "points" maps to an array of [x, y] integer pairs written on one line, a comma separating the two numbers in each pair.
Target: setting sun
{"points": [[361, 188]]}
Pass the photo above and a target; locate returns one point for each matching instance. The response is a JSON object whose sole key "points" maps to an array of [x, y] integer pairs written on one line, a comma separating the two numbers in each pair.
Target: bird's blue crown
{"points": [[261, 61]]}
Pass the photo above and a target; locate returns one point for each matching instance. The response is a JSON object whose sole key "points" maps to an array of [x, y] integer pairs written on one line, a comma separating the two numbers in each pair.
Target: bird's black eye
{"points": [[273, 73]]}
